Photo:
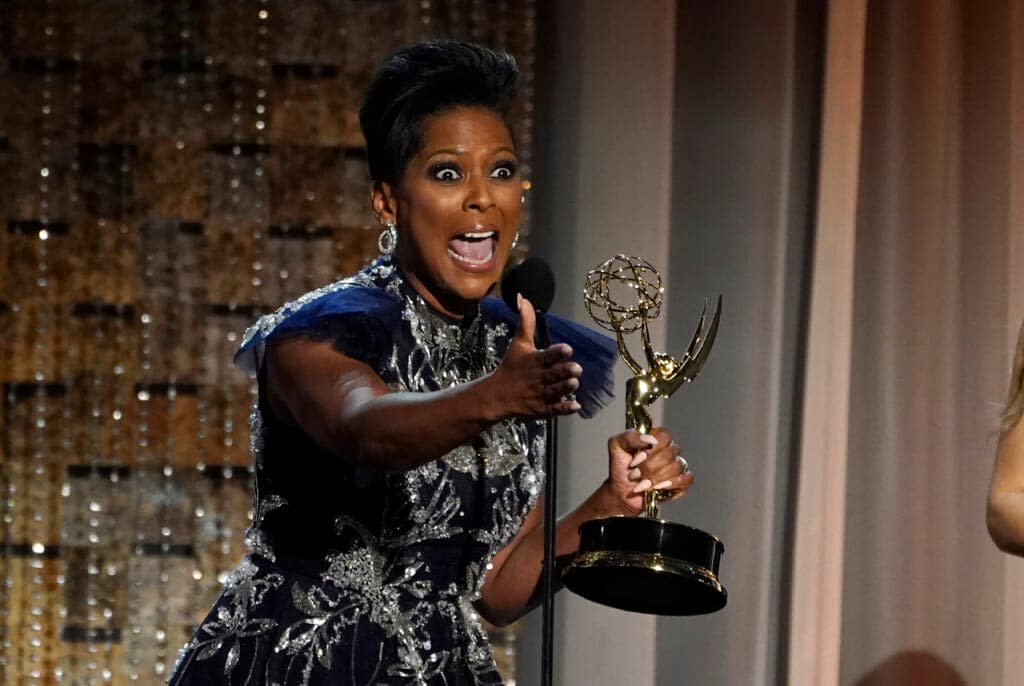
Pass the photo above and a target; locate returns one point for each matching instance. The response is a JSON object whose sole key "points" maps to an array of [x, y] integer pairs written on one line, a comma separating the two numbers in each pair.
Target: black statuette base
{"points": [[648, 565]]}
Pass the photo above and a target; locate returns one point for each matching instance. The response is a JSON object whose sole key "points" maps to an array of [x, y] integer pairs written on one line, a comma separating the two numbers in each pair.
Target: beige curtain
{"points": [[936, 296], [866, 561]]}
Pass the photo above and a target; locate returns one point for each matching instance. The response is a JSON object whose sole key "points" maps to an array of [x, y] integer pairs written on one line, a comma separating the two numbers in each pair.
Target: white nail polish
{"points": [[649, 439], [642, 486], [639, 459], [633, 474], [663, 485]]}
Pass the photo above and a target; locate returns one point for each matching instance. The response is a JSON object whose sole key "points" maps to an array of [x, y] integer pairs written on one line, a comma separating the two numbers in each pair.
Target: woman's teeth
{"points": [[474, 248]]}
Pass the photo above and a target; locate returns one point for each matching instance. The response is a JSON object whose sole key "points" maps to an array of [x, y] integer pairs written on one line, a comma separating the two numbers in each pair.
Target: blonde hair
{"points": [[1015, 404]]}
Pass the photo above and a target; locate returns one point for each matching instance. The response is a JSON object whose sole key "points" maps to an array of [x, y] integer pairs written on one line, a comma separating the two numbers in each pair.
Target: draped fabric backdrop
{"points": [[937, 297], [849, 176]]}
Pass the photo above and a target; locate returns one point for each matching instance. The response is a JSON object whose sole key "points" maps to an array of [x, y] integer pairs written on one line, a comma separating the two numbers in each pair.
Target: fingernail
{"points": [[633, 474], [638, 459], [663, 485], [649, 439], [642, 486], [519, 300]]}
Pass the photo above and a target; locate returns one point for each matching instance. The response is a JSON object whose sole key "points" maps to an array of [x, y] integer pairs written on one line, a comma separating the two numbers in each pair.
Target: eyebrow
{"points": [[456, 151]]}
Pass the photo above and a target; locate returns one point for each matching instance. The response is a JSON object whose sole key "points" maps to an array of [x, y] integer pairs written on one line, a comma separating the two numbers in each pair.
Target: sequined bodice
{"points": [[359, 577], [453, 499], [408, 551]]}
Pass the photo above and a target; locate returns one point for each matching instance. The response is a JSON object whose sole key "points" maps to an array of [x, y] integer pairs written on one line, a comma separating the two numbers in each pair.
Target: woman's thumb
{"points": [[527, 319]]}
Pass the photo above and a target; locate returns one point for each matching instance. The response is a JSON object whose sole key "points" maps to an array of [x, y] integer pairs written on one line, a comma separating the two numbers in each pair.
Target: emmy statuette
{"points": [[646, 564]]}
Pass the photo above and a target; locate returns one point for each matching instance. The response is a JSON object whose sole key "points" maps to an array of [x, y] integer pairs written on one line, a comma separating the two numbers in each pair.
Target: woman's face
{"points": [[457, 207]]}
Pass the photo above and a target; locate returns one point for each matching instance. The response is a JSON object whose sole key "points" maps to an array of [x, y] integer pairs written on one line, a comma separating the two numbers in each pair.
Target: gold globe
{"points": [[622, 292]]}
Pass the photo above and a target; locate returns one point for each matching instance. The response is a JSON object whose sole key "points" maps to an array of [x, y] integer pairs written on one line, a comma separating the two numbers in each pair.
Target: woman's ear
{"points": [[382, 199]]}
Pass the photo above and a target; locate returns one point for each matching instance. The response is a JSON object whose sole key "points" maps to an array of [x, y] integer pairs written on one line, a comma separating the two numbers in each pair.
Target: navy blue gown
{"points": [[362, 578]]}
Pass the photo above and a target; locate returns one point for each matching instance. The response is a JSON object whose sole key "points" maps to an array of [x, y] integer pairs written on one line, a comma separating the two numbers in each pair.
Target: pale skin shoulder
{"points": [[1005, 512]]}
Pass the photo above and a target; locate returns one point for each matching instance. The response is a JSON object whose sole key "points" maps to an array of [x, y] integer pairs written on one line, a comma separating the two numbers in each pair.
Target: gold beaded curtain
{"points": [[168, 171]]}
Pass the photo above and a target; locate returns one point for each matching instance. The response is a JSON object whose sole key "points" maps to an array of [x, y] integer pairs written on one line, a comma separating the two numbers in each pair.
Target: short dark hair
{"points": [[420, 81]]}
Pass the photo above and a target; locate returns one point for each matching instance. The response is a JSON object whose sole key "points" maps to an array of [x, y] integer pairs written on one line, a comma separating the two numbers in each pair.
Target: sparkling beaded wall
{"points": [[168, 170]]}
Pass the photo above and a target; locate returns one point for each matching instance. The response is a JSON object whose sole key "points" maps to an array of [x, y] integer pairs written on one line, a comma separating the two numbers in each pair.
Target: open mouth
{"points": [[474, 249]]}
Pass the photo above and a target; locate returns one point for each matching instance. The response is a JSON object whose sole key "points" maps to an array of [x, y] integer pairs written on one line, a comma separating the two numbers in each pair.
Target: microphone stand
{"points": [[548, 567]]}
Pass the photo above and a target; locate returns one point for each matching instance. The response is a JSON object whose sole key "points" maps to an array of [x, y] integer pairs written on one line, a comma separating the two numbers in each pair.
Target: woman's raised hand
{"points": [[536, 383], [639, 462]]}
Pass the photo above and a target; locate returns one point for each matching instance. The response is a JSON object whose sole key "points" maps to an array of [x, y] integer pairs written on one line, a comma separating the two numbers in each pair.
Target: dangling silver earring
{"points": [[515, 240], [388, 238]]}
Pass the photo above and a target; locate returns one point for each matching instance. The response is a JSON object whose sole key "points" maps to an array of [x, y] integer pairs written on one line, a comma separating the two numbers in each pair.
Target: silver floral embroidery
{"points": [[430, 518], [372, 589], [256, 435], [465, 459], [509, 511], [255, 537], [504, 447], [476, 497], [236, 621]]}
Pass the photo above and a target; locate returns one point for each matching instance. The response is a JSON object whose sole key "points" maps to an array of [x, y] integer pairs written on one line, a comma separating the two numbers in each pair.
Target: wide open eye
{"points": [[504, 170], [446, 172]]}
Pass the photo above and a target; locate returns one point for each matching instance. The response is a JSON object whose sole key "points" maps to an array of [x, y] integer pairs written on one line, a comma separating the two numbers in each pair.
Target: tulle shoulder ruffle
{"points": [[353, 316], [594, 351], [362, 314]]}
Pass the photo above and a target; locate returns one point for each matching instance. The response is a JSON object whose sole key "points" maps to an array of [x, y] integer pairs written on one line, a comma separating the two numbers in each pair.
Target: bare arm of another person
{"points": [[512, 585], [1006, 496], [1005, 513], [348, 410]]}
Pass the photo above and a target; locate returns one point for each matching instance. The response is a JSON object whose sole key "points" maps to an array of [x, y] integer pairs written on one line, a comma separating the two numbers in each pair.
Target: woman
{"points": [[1006, 495], [399, 432]]}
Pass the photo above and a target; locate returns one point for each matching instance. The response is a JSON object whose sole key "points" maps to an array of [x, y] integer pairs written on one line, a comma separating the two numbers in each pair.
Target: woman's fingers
{"points": [[561, 376], [554, 354], [632, 441], [657, 462], [662, 435], [538, 383], [561, 379], [669, 476], [560, 371], [566, 406], [667, 472], [553, 393], [544, 381], [676, 487], [664, 452]]}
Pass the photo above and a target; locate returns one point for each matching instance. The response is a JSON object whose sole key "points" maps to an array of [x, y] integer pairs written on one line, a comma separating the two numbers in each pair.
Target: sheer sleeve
{"points": [[595, 352], [357, 320]]}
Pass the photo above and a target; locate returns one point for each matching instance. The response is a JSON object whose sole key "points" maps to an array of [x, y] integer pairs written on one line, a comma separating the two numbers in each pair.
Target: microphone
{"points": [[534, 280]]}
